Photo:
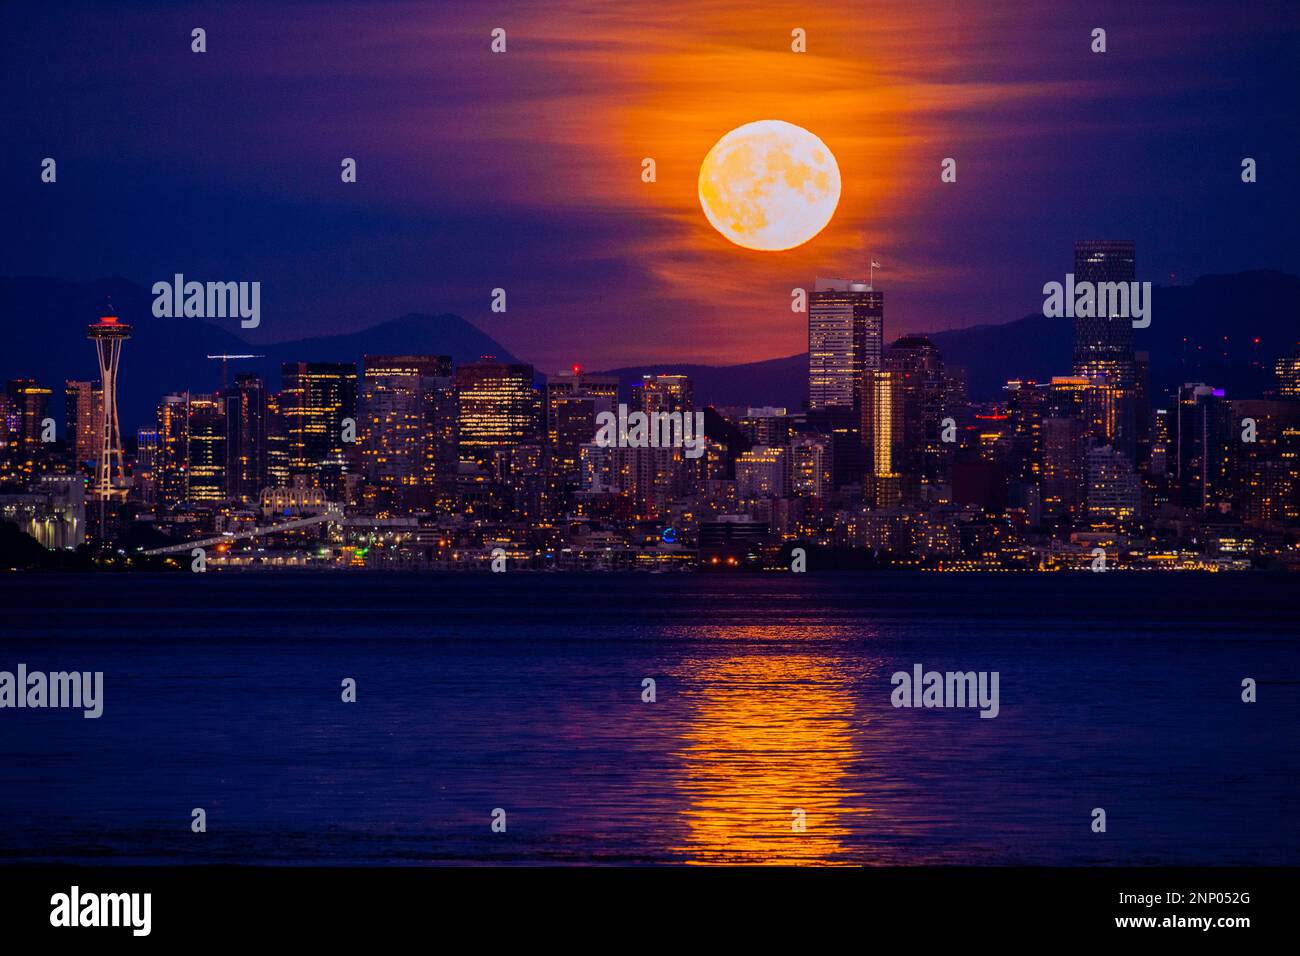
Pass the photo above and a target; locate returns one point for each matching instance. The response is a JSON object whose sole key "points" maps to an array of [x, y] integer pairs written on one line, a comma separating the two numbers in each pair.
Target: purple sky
{"points": [[522, 170]]}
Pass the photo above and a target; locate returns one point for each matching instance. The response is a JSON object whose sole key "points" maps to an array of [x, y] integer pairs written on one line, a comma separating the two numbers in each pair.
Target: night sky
{"points": [[522, 170]]}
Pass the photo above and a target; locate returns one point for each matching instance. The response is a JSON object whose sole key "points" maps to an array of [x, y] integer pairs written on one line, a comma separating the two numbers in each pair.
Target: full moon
{"points": [[769, 185]]}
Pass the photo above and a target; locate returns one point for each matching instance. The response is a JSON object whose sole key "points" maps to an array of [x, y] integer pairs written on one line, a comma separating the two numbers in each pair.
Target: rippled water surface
{"points": [[524, 692]]}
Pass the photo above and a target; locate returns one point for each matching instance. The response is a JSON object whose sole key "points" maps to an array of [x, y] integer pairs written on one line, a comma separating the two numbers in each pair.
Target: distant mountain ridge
{"points": [[1243, 306], [779, 381], [47, 319], [45, 338]]}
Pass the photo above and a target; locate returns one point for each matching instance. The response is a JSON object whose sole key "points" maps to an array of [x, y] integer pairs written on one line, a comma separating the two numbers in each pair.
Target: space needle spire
{"points": [[108, 334]]}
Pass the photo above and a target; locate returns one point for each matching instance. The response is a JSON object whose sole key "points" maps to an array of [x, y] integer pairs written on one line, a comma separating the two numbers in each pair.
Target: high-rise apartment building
{"points": [[83, 417]]}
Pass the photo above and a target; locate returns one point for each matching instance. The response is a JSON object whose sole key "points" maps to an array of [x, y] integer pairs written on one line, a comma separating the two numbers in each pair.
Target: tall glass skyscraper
{"points": [[1103, 344], [246, 438], [846, 329]]}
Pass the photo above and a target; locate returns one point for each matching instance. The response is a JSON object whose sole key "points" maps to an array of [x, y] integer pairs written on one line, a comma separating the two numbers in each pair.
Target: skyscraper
{"points": [[83, 415], [883, 434], [573, 400], [315, 400], [1026, 403], [205, 455], [144, 471], [1064, 463], [846, 328], [27, 407], [1201, 438], [277, 444], [1103, 344], [1114, 495], [247, 454], [407, 430], [810, 466], [498, 407], [846, 324], [920, 455], [171, 465]]}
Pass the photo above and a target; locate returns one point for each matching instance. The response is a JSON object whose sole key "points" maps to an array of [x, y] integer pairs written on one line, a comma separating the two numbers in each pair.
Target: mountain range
{"points": [[1222, 329], [46, 339]]}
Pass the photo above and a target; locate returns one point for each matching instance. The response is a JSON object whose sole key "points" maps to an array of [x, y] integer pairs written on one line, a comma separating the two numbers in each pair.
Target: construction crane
{"points": [[223, 364]]}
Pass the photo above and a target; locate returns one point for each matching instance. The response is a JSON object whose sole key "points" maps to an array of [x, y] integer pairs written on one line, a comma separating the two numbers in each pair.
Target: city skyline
{"points": [[594, 439], [888, 455]]}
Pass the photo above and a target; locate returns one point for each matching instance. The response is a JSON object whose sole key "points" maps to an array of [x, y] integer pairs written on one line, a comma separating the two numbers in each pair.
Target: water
{"points": [[523, 692]]}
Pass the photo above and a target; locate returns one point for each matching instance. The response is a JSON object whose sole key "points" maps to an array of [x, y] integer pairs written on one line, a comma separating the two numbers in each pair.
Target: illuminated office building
{"points": [[1103, 344], [811, 466], [763, 472], [247, 452], [1287, 370], [883, 434], [172, 467], [663, 393], [316, 399], [27, 405], [1113, 495], [408, 422], [1064, 462], [1202, 436], [206, 450], [498, 407], [573, 400], [846, 327], [144, 470], [920, 456]]}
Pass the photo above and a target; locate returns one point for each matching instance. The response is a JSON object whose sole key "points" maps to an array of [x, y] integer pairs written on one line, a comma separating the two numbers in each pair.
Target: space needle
{"points": [[108, 334]]}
